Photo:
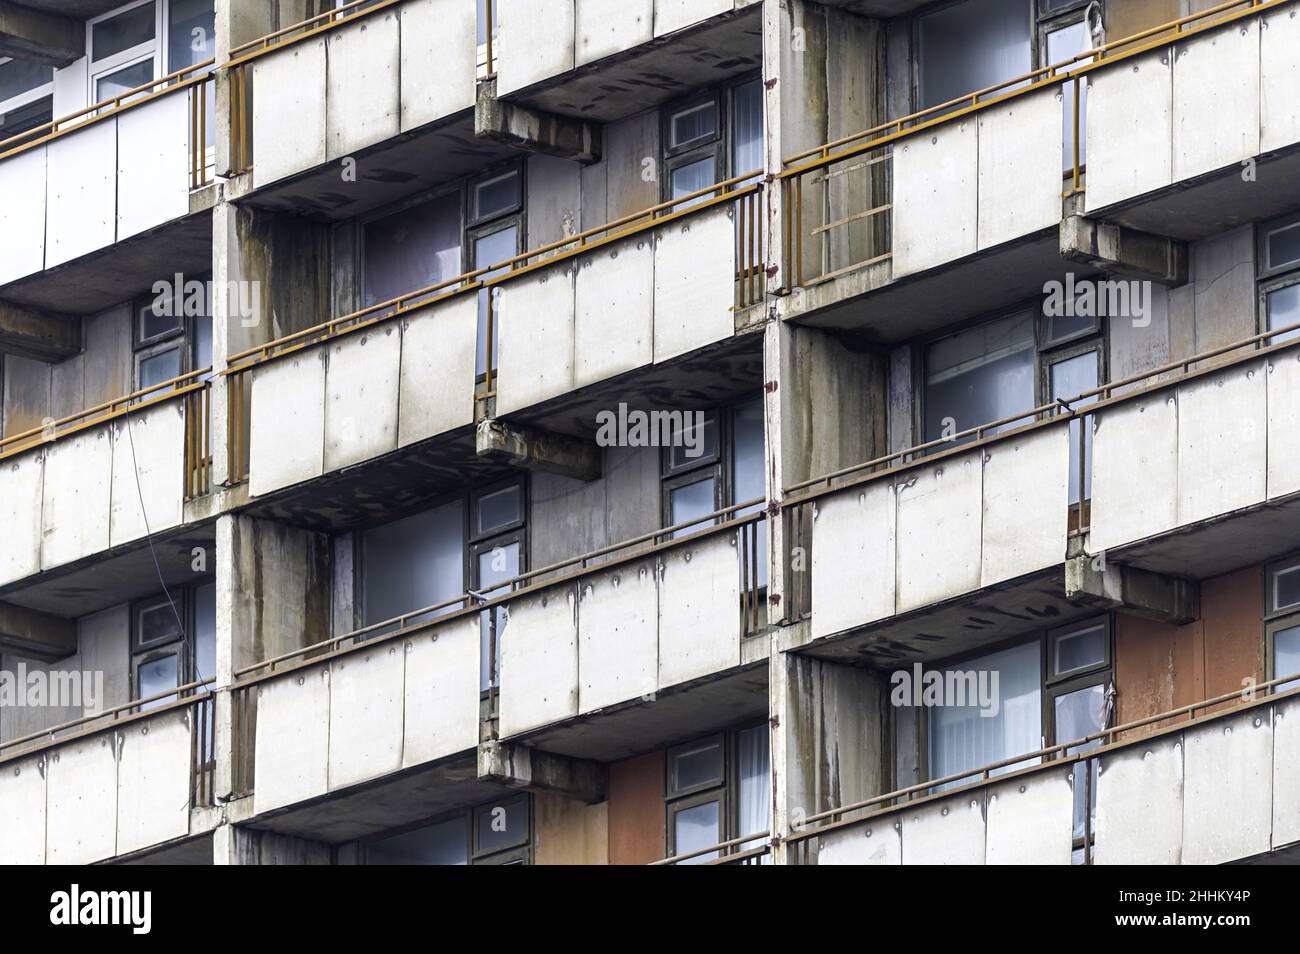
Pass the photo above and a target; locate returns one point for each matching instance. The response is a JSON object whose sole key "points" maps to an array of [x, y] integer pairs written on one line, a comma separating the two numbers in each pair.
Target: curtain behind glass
{"points": [[755, 783], [748, 473], [412, 249], [962, 739]]}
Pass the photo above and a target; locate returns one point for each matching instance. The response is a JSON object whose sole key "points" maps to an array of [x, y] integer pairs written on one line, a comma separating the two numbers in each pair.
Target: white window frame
{"points": [[23, 99], [151, 50]]}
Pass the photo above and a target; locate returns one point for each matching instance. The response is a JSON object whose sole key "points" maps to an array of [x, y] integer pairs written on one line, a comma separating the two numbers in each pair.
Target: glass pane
{"points": [[446, 843], [190, 33], [500, 508], [695, 828], [747, 129], [1079, 714], [1079, 650], [1283, 246], [412, 249], [1283, 306], [748, 471], [1062, 45], [496, 196], [156, 677], [980, 375], [482, 21], [20, 76], [972, 45], [203, 342], [157, 316], [693, 177], [413, 562], [157, 624], [690, 501], [205, 631], [693, 124], [502, 826], [695, 764], [124, 80], [163, 366], [495, 566], [122, 32], [489, 250], [1286, 588], [755, 783], [694, 437], [1070, 378], [983, 721], [19, 120], [1286, 656]]}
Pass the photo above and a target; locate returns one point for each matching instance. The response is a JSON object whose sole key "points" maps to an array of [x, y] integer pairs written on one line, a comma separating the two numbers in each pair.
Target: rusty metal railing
{"points": [[201, 167], [729, 852], [198, 441], [827, 225]]}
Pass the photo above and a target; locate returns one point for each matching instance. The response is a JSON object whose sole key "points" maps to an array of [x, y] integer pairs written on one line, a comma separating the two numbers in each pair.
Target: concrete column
{"points": [[232, 845]]}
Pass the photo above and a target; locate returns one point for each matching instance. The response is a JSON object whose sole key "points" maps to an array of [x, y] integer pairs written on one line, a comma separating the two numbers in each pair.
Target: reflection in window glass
{"points": [[498, 509], [122, 32], [124, 80], [1286, 656], [970, 46], [1283, 306], [693, 177], [691, 442], [966, 737], [412, 249], [156, 624], [495, 566], [205, 631], [22, 76], [696, 764], [747, 469], [690, 501], [981, 375], [1283, 246], [156, 677], [1286, 588], [1082, 649], [190, 33], [160, 367], [1079, 714], [412, 563], [158, 316], [1070, 378], [502, 826], [444, 843], [496, 196], [22, 118], [695, 828], [1062, 45], [491, 249]]}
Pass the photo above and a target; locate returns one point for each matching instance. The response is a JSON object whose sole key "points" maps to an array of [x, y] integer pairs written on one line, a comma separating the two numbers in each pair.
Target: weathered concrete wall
{"points": [[232, 845], [569, 832]]}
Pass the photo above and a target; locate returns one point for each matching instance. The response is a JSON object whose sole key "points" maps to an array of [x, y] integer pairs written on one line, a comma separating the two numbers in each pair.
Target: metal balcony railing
{"points": [[730, 852], [841, 227]]}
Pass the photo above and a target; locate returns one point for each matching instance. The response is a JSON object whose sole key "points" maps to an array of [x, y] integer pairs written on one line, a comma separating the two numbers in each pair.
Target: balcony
{"points": [[125, 170], [600, 656], [104, 478], [111, 784], [1131, 133], [1214, 788], [401, 373], [938, 535]]}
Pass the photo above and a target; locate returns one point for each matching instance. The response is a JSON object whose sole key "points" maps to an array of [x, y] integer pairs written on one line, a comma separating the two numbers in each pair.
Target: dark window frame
{"points": [[521, 854], [724, 791]]}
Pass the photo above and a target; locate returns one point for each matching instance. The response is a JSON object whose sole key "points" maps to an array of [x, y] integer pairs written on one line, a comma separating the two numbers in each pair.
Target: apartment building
{"points": [[649, 431]]}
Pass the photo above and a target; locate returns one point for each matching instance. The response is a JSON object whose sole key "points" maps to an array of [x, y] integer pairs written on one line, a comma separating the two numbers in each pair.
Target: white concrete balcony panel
{"points": [[936, 531], [367, 713], [362, 394], [647, 298], [623, 634], [373, 76], [1199, 105], [82, 493], [1216, 790], [113, 792], [97, 184], [542, 39]]}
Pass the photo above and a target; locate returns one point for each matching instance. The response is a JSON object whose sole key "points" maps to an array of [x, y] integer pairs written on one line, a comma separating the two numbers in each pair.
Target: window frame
{"points": [[183, 645], [470, 214], [720, 146], [522, 853], [1264, 271], [1053, 638], [724, 791], [506, 854], [427, 197], [149, 50], [20, 100]]}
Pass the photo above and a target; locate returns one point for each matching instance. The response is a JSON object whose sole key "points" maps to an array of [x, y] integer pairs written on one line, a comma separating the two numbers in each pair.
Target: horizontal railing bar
{"points": [[507, 591], [850, 219], [1106, 736], [33, 137], [720, 846], [314, 25], [125, 403], [123, 707], [573, 245], [1101, 393], [1047, 75]]}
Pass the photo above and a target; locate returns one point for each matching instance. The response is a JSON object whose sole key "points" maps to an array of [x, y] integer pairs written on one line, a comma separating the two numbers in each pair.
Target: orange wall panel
{"points": [[636, 810]]}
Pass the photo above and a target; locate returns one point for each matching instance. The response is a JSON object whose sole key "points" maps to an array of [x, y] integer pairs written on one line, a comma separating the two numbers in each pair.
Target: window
{"points": [[714, 460], [140, 42], [1282, 621], [472, 542], [1278, 257], [970, 45], [173, 641], [26, 96], [413, 248], [1051, 690], [979, 375], [172, 332], [718, 788], [191, 29], [496, 833], [711, 137], [1066, 31]]}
